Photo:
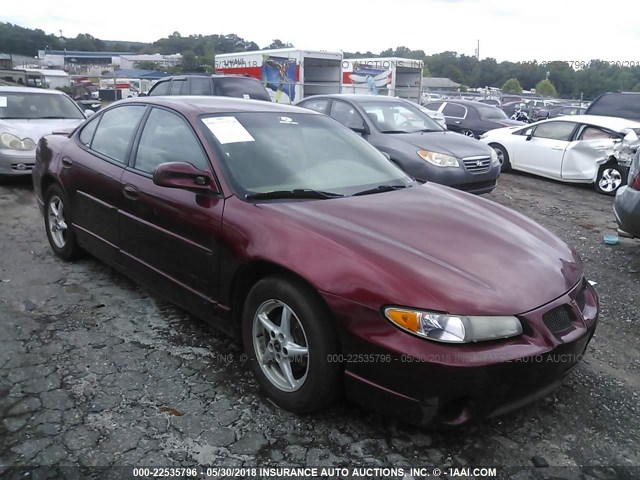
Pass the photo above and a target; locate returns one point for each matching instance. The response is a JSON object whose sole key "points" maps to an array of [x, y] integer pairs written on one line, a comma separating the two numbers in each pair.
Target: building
{"points": [[127, 62], [436, 84], [73, 61]]}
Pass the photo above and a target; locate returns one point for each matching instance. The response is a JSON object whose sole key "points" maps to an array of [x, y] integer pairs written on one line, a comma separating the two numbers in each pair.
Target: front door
{"points": [[168, 235]]}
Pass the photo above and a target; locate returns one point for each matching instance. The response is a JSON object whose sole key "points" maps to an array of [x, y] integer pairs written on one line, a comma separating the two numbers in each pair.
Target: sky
{"points": [[542, 30]]}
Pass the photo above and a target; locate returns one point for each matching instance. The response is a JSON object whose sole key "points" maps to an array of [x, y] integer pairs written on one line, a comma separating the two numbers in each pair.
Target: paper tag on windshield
{"points": [[246, 96], [228, 130], [3, 102]]}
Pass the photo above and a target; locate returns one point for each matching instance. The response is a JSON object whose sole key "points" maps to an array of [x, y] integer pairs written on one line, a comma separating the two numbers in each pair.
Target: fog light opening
{"points": [[456, 412]]}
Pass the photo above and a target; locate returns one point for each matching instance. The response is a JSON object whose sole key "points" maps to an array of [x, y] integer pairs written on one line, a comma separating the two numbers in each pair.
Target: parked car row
{"points": [[321, 231]]}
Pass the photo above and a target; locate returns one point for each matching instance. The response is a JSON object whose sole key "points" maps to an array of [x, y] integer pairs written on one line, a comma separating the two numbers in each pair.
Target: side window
{"points": [[166, 137], [319, 105], [346, 114], [177, 87], [454, 110], [555, 130], [86, 134], [161, 88], [595, 133], [201, 86], [116, 131]]}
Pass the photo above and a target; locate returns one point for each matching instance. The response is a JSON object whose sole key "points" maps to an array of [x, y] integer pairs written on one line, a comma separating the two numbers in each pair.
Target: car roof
{"points": [[30, 90], [613, 123], [202, 104], [357, 97], [207, 75]]}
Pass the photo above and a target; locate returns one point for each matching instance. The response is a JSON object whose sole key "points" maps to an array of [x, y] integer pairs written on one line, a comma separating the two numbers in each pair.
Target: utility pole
{"points": [[478, 50]]}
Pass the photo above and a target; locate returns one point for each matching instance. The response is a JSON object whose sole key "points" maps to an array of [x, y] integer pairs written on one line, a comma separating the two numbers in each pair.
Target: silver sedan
{"points": [[26, 115]]}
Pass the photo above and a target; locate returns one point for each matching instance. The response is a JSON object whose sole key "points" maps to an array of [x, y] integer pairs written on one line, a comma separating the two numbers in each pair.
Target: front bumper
{"points": [[423, 382], [13, 162], [460, 178], [626, 208]]}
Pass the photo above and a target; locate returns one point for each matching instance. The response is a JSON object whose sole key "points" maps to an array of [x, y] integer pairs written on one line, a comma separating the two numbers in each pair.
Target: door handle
{"points": [[557, 147], [67, 162], [130, 192], [458, 122]]}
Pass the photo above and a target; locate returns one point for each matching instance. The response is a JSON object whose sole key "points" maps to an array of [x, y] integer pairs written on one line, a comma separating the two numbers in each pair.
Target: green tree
{"points": [[279, 44], [546, 88], [512, 86]]}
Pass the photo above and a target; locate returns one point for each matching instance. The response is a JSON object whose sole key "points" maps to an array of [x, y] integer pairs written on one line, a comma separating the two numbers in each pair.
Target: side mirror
{"points": [[89, 113], [185, 176], [529, 134], [386, 155], [357, 127]]}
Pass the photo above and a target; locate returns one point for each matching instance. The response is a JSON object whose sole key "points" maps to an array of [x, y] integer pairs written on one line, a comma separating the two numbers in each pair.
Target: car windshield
{"points": [[28, 105], [491, 113], [298, 153], [398, 117]]}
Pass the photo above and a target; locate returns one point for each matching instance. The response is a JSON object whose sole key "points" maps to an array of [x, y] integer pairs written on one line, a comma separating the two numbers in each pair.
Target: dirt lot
{"points": [[95, 371]]}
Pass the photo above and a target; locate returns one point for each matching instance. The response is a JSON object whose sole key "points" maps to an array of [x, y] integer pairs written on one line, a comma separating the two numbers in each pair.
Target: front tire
{"points": [[57, 222], [610, 178], [503, 156], [289, 338]]}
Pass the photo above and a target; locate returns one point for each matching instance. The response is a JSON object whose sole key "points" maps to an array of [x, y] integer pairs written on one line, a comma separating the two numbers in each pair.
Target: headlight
{"points": [[438, 159], [494, 158], [10, 141], [441, 327], [484, 135]]}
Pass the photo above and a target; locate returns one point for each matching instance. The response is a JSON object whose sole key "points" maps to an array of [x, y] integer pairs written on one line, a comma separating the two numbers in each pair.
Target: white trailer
{"points": [[53, 78], [392, 76], [288, 74]]}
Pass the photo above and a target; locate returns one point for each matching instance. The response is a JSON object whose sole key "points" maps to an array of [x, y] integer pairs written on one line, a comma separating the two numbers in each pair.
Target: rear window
{"points": [[241, 88], [625, 105]]}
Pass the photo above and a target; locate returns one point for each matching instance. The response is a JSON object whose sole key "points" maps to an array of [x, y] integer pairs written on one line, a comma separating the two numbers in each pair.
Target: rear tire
{"points": [[503, 156], [289, 338], [468, 133], [610, 178], [57, 222]]}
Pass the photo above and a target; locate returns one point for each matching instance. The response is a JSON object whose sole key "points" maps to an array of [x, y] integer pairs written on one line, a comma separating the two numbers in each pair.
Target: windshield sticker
{"points": [[246, 96], [228, 130], [287, 120], [3, 102]]}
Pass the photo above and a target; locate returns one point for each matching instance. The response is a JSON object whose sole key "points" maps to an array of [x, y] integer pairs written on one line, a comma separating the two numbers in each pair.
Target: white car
{"points": [[575, 149]]}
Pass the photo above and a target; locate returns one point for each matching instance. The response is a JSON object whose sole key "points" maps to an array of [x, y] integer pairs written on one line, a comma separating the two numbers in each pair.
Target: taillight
{"points": [[635, 185]]}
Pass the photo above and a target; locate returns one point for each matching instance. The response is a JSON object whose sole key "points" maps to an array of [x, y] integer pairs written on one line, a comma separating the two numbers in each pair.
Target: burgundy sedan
{"points": [[338, 271]]}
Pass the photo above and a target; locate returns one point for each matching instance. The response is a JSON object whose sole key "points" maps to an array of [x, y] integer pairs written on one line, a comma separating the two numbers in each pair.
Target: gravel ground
{"points": [[95, 371]]}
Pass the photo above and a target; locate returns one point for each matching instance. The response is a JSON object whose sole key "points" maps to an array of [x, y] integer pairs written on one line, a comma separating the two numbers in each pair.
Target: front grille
{"points": [[21, 167], [558, 319], [477, 165]]}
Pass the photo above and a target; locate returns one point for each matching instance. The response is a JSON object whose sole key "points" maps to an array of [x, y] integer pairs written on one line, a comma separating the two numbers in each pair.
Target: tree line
{"points": [[587, 79]]}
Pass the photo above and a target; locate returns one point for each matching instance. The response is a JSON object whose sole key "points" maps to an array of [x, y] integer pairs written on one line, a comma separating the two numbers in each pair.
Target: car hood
{"points": [[37, 128], [450, 143], [429, 247]]}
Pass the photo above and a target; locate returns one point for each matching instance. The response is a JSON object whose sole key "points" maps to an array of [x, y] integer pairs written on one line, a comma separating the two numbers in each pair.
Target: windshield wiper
{"points": [[306, 193], [50, 117], [426, 130], [380, 189], [394, 131]]}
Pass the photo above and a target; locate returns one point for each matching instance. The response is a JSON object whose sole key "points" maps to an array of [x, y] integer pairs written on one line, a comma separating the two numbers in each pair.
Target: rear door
{"points": [[91, 171], [169, 235]]}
